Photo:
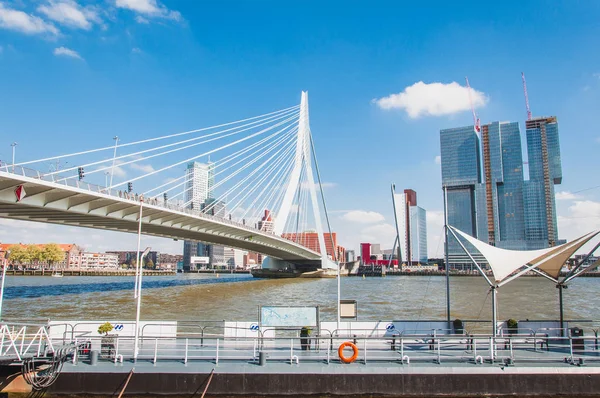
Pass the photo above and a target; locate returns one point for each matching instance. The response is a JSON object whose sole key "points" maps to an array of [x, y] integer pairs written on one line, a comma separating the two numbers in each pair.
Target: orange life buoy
{"points": [[341, 352]]}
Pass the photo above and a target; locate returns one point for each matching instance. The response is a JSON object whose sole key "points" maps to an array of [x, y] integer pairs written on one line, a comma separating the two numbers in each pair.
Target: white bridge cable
{"points": [[213, 167], [164, 185], [231, 189], [235, 131], [234, 155], [285, 148], [266, 151], [174, 187], [276, 206], [205, 153], [251, 155], [278, 186], [112, 147], [256, 183], [277, 180]]}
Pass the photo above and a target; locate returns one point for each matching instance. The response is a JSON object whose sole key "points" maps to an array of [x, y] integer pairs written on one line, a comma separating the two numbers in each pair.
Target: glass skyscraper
{"points": [[487, 196], [545, 171], [461, 178]]}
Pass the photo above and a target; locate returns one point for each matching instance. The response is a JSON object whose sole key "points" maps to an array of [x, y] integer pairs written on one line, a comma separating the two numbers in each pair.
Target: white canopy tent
{"points": [[507, 265]]}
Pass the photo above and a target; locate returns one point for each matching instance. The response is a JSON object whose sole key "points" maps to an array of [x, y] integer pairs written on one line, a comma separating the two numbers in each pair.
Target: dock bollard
{"points": [[262, 358], [93, 357]]}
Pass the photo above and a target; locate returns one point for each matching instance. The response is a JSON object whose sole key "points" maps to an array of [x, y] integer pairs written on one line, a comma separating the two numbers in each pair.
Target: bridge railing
{"points": [[123, 195]]}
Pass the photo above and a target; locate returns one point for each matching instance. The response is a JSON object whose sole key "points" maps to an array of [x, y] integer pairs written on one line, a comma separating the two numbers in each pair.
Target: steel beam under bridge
{"points": [[88, 205]]}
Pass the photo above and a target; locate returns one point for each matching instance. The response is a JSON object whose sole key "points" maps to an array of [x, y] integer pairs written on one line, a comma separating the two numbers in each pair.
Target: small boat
{"points": [[57, 275]]}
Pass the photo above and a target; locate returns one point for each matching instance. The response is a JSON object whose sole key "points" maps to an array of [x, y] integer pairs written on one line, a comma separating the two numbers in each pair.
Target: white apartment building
{"points": [[98, 261]]}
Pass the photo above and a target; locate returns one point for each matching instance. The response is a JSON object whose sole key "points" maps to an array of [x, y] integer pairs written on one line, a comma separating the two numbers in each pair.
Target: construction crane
{"points": [[526, 96], [476, 122]]}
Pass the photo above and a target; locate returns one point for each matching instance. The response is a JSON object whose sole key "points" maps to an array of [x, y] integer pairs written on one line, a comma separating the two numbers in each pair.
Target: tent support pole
{"points": [[494, 312], [560, 287], [446, 256]]}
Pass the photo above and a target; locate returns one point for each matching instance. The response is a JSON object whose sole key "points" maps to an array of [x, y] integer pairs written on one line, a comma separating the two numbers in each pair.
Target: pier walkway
{"points": [[248, 360]]}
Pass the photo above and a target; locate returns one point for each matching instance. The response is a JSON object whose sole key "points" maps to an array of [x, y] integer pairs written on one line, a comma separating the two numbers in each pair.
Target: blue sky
{"points": [[75, 73]]}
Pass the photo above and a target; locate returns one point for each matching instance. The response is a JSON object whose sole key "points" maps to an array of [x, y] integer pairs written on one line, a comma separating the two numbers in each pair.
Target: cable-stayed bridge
{"points": [[242, 184]]}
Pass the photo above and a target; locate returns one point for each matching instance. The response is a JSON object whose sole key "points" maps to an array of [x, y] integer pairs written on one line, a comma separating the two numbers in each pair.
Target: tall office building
{"points": [[461, 179], [199, 179], [545, 171], [412, 226], [494, 203]]}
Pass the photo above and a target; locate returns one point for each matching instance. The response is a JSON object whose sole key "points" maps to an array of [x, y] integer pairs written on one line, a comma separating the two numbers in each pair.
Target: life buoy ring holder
{"points": [[344, 358]]}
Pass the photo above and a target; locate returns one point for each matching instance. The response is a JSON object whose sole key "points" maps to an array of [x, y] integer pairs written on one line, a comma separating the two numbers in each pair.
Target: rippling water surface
{"points": [[238, 297]]}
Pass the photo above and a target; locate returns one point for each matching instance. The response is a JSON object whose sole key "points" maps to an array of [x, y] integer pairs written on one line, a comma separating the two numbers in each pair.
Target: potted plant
{"points": [[304, 338], [459, 327], [107, 343], [512, 326]]}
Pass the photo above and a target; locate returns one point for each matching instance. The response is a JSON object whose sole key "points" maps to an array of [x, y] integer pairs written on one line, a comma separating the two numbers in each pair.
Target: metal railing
{"points": [[399, 349]]}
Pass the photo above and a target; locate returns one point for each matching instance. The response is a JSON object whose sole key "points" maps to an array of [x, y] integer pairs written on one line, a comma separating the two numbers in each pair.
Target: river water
{"points": [[238, 297]]}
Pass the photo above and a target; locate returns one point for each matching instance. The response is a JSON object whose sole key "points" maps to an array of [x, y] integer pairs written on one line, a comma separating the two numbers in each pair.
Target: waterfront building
{"points": [[169, 261], [487, 194], [70, 260], [267, 223], [130, 257], [310, 239], [412, 227], [199, 179], [350, 256], [98, 261], [233, 258], [251, 259]]}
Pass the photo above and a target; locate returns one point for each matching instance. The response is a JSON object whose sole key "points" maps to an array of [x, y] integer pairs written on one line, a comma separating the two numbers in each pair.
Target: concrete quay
{"points": [[336, 379]]}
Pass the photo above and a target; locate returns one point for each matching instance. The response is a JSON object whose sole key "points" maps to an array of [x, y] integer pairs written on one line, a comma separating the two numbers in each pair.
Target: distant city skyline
{"points": [[383, 81], [488, 194]]}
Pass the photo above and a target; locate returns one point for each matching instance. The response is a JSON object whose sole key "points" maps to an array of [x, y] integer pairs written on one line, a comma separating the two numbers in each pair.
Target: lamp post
{"points": [[139, 306], [112, 168], [14, 146]]}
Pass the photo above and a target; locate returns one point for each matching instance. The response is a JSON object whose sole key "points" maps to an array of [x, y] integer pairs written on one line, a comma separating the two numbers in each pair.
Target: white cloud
{"points": [[596, 75], [142, 20], [385, 234], [433, 99], [565, 195], [146, 168], [583, 216], [25, 23], [438, 159], [148, 8], [435, 233], [69, 13], [363, 217], [67, 52], [136, 50]]}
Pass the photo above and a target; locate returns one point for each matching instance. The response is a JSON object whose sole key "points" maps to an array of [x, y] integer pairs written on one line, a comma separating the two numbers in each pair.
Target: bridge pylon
{"points": [[302, 161]]}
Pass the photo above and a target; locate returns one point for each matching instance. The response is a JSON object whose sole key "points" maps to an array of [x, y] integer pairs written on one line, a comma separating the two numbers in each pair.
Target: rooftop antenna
{"points": [[476, 122], [526, 96]]}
